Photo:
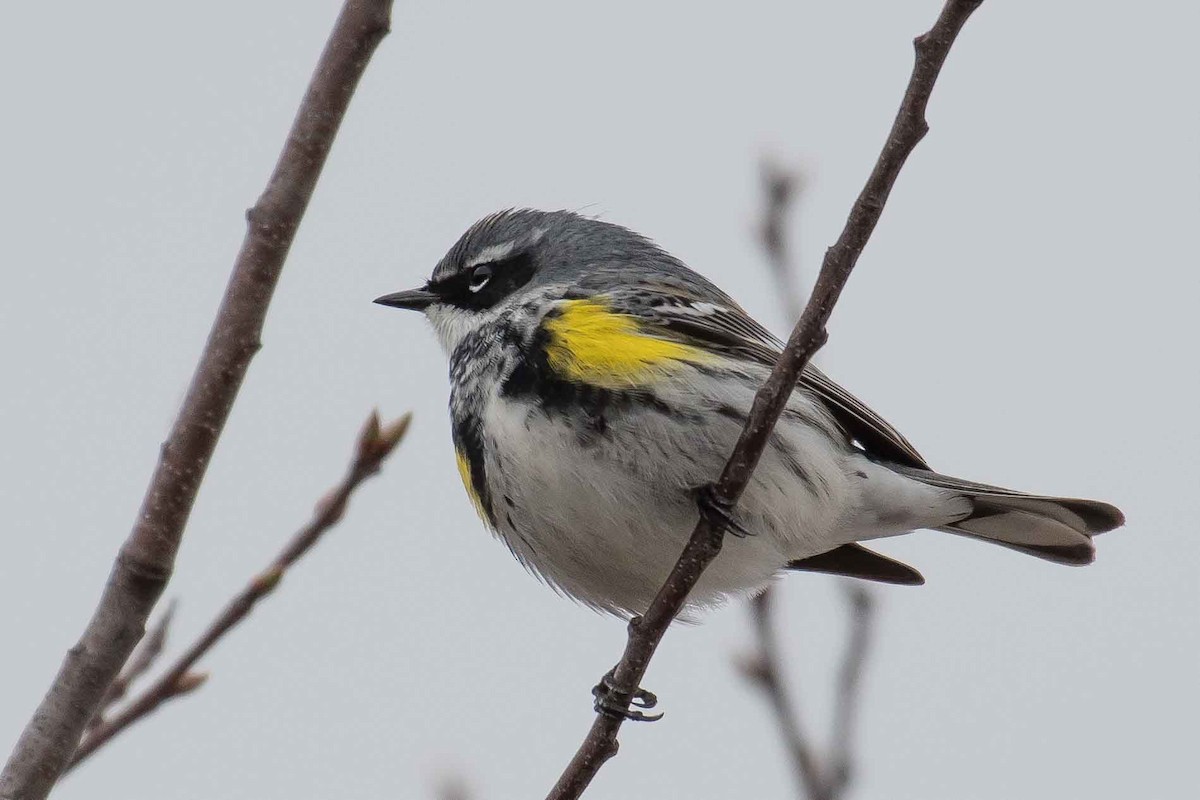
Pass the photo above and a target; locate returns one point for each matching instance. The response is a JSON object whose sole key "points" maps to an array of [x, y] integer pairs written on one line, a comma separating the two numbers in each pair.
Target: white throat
{"points": [[452, 324]]}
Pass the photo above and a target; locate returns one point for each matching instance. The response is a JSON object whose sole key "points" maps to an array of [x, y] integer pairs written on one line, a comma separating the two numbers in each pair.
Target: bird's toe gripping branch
{"points": [[719, 512], [625, 705]]}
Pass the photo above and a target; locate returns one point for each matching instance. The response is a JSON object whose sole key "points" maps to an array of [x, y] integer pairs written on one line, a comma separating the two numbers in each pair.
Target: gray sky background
{"points": [[1025, 313]]}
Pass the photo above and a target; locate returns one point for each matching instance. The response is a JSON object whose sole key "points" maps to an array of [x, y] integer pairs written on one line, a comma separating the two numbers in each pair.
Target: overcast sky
{"points": [[1025, 313]]}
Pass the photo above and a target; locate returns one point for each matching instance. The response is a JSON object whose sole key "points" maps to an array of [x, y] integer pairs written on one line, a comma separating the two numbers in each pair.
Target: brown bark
{"points": [[375, 444], [147, 557]]}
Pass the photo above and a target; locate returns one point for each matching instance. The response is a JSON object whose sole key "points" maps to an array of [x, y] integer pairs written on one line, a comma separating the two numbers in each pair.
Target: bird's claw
{"points": [[624, 705], [719, 512]]}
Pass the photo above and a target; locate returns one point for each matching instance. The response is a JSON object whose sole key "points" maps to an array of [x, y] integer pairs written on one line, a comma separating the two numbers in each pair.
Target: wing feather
{"points": [[724, 327]]}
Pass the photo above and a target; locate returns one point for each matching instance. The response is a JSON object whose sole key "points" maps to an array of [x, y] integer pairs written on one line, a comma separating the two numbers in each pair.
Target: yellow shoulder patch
{"points": [[591, 343], [464, 472]]}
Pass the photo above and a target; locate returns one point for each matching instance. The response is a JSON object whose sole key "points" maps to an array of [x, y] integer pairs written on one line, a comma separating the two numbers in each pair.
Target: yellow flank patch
{"points": [[591, 343], [464, 472]]}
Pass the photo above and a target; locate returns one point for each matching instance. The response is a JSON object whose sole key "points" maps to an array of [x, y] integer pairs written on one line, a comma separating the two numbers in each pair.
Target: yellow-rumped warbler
{"points": [[596, 383]]}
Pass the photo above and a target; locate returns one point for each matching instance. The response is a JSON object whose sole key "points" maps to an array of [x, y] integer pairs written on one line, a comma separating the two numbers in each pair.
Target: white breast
{"points": [[604, 516]]}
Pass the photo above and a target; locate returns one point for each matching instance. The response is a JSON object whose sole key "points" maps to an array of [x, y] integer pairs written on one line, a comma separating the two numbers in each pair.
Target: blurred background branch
{"points": [[817, 778], [452, 786], [764, 670], [146, 559], [842, 761], [375, 443], [781, 190]]}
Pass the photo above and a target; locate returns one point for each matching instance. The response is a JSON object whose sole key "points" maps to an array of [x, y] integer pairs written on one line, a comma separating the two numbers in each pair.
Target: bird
{"points": [[597, 387]]}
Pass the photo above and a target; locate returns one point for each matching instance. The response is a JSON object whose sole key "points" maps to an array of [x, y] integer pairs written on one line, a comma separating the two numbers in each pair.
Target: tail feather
{"points": [[1057, 529]]}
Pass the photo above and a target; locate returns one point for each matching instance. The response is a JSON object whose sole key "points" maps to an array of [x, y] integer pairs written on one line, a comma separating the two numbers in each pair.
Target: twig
{"points": [[452, 786], [147, 557], [818, 779], [374, 445], [780, 190], [144, 656], [845, 710], [809, 334], [763, 669]]}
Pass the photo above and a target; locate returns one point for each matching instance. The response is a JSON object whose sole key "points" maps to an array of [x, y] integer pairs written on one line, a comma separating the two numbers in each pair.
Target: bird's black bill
{"points": [[412, 299]]}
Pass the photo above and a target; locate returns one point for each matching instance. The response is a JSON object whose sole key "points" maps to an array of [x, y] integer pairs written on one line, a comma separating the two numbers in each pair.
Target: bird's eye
{"points": [[479, 277]]}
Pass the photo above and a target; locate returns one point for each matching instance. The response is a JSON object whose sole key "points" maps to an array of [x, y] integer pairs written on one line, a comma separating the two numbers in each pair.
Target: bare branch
{"points": [[780, 190], [647, 631], [817, 778], [144, 656], [452, 786], [373, 446], [840, 770], [147, 557], [764, 670]]}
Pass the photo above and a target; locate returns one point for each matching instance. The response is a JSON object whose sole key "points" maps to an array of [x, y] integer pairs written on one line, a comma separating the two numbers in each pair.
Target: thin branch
{"points": [[147, 557], [845, 711], [780, 190], [452, 787], [647, 631], [764, 670], [817, 778], [143, 658], [374, 445]]}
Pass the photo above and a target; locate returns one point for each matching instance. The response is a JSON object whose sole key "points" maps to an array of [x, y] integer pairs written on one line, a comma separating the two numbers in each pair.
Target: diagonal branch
{"points": [[375, 444], [143, 658], [147, 557], [647, 631]]}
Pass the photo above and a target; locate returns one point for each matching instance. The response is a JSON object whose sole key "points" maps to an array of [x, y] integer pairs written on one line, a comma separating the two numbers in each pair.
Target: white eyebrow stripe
{"points": [[493, 252]]}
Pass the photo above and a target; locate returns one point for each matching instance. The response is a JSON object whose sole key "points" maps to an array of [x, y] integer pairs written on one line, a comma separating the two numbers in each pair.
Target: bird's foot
{"points": [[719, 512], [624, 705]]}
